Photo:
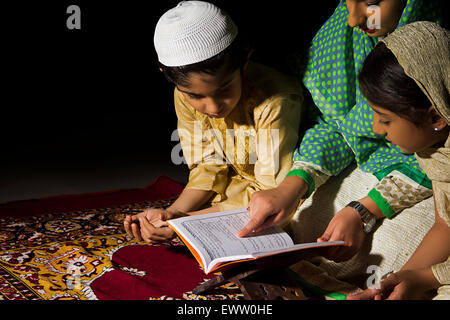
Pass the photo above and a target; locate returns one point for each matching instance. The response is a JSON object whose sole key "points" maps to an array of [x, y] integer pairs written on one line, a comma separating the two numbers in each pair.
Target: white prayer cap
{"points": [[192, 32]]}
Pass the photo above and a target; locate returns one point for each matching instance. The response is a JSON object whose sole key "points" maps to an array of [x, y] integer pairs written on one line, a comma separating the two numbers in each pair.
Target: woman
{"points": [[342, 133]]}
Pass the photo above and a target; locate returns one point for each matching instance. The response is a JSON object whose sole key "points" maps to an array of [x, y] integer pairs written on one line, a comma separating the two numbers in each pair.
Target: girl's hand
{"points": [[402, 285], [150, 225], [347, 226]]}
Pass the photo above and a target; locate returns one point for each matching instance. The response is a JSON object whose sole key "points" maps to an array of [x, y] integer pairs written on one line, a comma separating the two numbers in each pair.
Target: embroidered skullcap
{"points": [[192, 32]]}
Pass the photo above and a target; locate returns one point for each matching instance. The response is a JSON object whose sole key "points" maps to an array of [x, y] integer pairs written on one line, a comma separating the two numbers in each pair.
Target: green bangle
{"points": [[305, 176], [381, 202]]}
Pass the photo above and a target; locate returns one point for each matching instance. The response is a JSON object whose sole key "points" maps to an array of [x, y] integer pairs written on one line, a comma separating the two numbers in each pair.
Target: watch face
{"points": [[367, 218], [369, 225]]}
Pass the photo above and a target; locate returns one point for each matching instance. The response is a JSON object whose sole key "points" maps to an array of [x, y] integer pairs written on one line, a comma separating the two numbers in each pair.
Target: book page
{"points": [[214, 236]]}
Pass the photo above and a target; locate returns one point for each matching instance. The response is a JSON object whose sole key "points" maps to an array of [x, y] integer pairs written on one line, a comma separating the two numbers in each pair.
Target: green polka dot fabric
{"points": [[343, 132]]}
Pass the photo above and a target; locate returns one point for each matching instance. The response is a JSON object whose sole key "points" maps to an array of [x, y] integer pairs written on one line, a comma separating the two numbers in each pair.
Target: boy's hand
{"points": [[150, 226], [347, 226], [152, 234]]}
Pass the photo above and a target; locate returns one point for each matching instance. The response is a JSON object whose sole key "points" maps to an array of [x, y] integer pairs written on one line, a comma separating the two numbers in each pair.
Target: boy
{"points": [[238, 121]]}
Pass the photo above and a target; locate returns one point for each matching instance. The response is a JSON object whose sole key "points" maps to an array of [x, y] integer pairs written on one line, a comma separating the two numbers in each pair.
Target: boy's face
{"points": [[387, 14], [214, 95], [403, 133]]}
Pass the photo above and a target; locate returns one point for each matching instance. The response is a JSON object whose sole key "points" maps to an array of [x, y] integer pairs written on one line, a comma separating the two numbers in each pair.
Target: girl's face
{"points": [[214, 95], [387, 14], [405, 134]]}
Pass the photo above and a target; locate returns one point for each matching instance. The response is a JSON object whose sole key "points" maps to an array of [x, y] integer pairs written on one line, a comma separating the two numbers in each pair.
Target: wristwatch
{"points": [[367, 218]]}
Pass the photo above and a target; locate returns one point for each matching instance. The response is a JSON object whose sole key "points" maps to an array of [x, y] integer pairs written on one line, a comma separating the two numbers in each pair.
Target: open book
{"points": [[212, 239]]}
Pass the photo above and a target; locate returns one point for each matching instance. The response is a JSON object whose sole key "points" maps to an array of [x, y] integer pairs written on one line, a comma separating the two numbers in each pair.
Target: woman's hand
{"points": [[150, 226], [347, 226], [402, 285], [270, 207]]}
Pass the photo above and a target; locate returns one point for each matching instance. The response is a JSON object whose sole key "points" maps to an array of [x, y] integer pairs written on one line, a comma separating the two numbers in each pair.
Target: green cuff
{"points": [[305, 176], [382, 204]]}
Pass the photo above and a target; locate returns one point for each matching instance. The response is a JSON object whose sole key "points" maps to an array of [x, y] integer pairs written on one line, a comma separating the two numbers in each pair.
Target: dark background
{"points": [[87, 110]]}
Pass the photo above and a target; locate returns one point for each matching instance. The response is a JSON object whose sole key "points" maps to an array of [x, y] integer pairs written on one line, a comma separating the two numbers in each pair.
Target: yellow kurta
{"points": [[250, 149]]}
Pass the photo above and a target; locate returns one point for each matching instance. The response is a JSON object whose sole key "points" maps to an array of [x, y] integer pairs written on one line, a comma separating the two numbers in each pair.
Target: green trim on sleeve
{"points": [[305, 176], [419, 177], [382, 204]]}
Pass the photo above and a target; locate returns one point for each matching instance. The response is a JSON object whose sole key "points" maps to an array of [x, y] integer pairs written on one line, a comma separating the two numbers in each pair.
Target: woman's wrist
{"points": [[294, 186], [423, 278], [372, 207], [429, 280]]}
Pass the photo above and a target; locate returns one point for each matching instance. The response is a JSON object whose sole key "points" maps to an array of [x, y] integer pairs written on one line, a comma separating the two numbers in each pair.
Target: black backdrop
{"points": [[60, 83], [72, 96]]}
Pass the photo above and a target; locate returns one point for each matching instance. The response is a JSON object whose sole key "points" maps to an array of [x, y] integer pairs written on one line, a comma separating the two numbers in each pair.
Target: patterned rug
{"points": [[86, 255]]}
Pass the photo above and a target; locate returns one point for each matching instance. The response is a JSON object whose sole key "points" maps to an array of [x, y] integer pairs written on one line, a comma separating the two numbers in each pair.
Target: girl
{"points": [[406, 81], [238, 121], [342, 132]]}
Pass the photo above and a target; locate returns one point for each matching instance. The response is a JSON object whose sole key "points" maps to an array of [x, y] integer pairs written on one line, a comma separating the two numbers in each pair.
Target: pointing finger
{"points": [[250, 227]]}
